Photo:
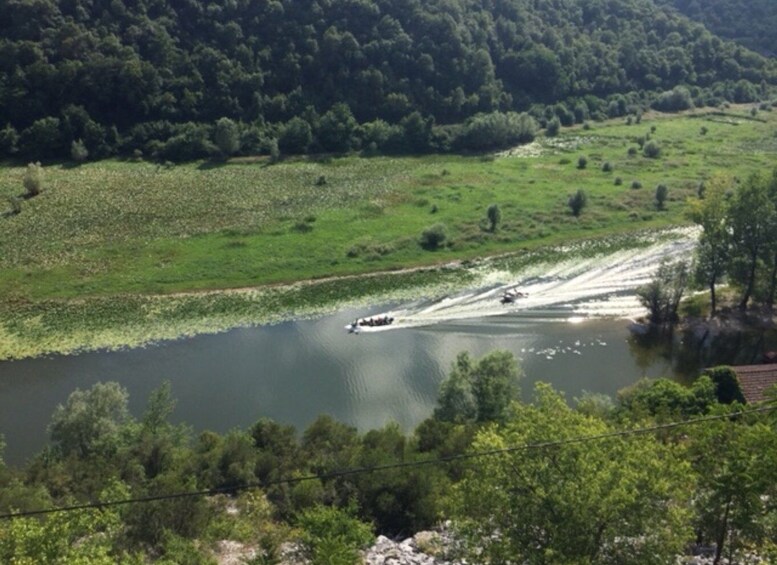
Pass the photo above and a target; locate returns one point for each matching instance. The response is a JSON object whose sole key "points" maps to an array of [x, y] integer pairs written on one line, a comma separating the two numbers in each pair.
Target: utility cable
{"points": [[389, 466]]}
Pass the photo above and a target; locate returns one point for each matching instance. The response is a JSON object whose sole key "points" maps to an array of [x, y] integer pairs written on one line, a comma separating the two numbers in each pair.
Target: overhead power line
{"points": [[388, 466]]}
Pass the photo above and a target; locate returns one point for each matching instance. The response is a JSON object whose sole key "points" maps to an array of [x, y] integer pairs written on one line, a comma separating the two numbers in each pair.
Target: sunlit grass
{"points": [[89, 256]]}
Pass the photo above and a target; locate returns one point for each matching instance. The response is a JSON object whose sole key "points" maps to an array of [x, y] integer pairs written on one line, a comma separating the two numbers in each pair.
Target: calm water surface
{"points": [[295, 371]]}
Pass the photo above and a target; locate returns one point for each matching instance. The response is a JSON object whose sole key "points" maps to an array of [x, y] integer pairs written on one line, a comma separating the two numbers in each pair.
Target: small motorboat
{"points": [[372, 322], [512, 295]]}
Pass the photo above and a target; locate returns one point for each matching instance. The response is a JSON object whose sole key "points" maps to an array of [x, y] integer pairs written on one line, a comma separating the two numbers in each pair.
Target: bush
{"points": [[33, 180], [636, 184], [703, 130], [577, 202], [582, 162], [675, 100], [606, 167], [618, 181], [661, 193], [494, 215], [651, 150], [433, 237], [78, 151], [332, 536], [632, 151], [553, 127]]}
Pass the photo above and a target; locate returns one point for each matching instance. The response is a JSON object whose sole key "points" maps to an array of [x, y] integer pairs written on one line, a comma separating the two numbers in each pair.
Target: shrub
{"points": [[582, 162], [332, 536], [15, 206], [661, 193], [618, 181], [606, 167], [703, 130], [78, 151], [701, 189], [33, 180], [652, 150], [636, 184], [321, 180], [494, 215], [433, 237], [675, 100], [577, 202], [632, 151], [553, 127]]}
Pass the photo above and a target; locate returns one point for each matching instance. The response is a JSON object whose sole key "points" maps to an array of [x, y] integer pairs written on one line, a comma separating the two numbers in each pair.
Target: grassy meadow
{"points": [[111, 253]]}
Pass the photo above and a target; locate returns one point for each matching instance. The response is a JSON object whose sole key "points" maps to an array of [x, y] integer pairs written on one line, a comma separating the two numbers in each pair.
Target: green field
{"points": [[105, 242]]}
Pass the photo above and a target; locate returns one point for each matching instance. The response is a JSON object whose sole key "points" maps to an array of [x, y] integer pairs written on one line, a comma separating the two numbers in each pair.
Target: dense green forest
{"points": [[749, 22], [187, 79], [602, 482]]}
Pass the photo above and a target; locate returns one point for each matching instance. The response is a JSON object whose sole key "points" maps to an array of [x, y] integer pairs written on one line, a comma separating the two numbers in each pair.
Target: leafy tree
{"points": [[735, 464], [749, 233], [667, 398], [714, 249], [226, 136], [337, 128], [617, 500], [675, 100], [663, 294], [9, 140], [479, 391], [727, 386], [90, 421], [494, 215], [577, 202], [296, 136], [553, 127]]}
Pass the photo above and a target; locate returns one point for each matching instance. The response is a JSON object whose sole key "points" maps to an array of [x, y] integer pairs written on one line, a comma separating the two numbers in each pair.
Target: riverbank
{"points": [[115, 254], [60, 326]]}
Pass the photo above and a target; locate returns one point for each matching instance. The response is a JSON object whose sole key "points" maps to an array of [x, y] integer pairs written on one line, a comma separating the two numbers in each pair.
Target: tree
{"points": [[90, 421], [714, 249], [749, 220], [494, 215], [33, 180], [770, 251], [296, 136], [617, 500], [577, 202], [226, 136], [336, 131], [479, 391], [662, 295], [735, 462], [331, 536]]}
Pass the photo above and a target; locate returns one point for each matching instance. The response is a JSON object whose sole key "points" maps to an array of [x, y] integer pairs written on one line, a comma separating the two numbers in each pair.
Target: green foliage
{"points": [[333, 536], [582, 162], [433, 237], [668, 399], [675, 100], [479, 391], [574, 493], [90, 421], [606, 167], [577, 202], [553, 127], [663, 294], [727, 386]]}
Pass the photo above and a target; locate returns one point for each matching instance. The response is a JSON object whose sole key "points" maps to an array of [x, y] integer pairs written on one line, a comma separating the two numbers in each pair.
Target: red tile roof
{"points": [[755, 380]]}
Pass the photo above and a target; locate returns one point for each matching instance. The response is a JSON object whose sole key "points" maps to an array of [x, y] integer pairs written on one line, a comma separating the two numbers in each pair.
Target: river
{"points": [[571, 329]]}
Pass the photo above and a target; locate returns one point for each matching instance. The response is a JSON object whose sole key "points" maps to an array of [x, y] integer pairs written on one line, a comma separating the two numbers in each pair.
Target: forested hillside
{"points": [[749, 22], [154, 77]]}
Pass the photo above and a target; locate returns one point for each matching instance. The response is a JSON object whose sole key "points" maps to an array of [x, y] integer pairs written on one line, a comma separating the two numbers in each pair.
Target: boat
{"points": [[372, 322], [512, 295]]}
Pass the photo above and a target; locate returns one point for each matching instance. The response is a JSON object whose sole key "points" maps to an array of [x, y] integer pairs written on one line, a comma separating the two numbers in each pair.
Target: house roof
{"points": [[754, 380]]}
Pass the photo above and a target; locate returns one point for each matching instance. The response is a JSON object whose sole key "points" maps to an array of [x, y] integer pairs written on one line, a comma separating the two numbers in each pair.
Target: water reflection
{"points": [[295, 371]]}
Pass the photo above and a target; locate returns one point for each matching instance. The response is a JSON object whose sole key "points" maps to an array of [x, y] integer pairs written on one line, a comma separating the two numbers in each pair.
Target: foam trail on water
{"points": [[602, 286]]}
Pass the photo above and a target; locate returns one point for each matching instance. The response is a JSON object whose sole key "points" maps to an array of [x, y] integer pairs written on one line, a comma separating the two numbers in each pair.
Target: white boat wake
{"points": [[574, 290]]}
